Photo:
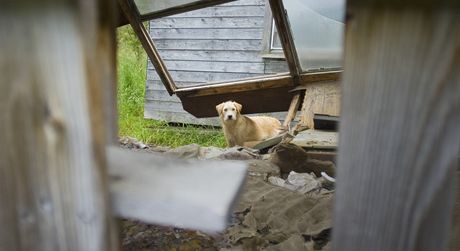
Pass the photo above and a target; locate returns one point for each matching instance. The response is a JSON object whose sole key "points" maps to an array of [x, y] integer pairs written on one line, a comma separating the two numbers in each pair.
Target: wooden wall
{"points": [[213, 44]]}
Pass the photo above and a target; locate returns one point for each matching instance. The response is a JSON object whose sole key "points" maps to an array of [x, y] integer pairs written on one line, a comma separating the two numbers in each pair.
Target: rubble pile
{"points": [[280, 208]]}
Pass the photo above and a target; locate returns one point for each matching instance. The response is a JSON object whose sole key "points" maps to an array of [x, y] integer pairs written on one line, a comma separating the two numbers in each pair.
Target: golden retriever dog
{"points": [[239, 129]]}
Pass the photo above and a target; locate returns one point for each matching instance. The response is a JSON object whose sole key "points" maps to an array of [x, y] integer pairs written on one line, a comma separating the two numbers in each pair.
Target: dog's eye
{"points": [[225, 109], [233, 109]]}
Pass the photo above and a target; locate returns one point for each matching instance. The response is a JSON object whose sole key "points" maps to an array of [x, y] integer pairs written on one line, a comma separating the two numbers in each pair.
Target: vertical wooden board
{"points": [[52, 173], [399, 134], [292, 111], [320, 98], [454, 243], [101, 63]]}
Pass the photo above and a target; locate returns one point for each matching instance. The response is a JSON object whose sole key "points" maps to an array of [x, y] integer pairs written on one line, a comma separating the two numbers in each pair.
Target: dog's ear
{"points": [[238, 106], [219, 108]]}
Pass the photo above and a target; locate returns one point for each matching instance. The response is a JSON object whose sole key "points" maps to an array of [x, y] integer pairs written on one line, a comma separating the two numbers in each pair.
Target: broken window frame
{"points": [[290, 80]]}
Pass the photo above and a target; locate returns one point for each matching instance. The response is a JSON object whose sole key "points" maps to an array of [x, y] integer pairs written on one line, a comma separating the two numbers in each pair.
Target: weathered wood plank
{"points": [[175, 108], [161, 95], [179, 117], [226, 11], [52, 163], [203, 55], [256, 83], [275, 66], [454, 243], [295, 104], [182, 193], [209, 44], [204, 66], [185, 117], [320, 98], [399, 134], [316, 139], [157, 85], [148, 14], [258, 100], [198, 76], [238, 86], [206, 33], [287, 41], [210, 22], [101, 62], [132, 14], [162, 105]]}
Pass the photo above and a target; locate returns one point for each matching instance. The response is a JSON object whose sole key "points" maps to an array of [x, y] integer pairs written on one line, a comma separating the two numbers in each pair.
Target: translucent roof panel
{"points": [[317, 27], [148, 6]]}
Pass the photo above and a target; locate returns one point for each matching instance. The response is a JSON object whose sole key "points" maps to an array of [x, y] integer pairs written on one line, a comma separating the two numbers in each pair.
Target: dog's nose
{"points": [[230, 116]]}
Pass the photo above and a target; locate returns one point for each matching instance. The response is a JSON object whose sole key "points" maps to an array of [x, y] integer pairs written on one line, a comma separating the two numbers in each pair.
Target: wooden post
{"points": [[287, 41], [132, 14], [295, 103], [53, 181], [399, 129]]}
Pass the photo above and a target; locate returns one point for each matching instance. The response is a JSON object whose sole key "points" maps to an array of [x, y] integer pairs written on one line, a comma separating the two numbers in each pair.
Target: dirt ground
{"points": [[277, 209]]}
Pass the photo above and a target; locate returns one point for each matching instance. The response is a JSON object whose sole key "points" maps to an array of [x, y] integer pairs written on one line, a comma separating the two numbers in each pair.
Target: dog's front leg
{"points": [[231, 142]]}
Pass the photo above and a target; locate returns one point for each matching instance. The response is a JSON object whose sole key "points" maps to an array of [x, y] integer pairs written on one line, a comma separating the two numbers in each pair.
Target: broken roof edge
{"points": [[257, 83]]}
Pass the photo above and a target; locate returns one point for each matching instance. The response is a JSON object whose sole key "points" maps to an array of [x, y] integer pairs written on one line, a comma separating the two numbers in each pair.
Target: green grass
{"points": [[131, 63]]}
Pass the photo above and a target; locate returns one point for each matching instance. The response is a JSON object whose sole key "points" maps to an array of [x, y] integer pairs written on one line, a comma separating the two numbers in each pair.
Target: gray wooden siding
{"points": [[218, 43]]}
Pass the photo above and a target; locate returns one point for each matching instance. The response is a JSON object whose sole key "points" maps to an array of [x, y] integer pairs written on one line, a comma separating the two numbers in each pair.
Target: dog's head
{"points": [[229, 110]]}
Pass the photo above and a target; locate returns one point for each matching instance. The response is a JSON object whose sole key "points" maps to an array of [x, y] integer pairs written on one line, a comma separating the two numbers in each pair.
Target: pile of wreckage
{"points": [[285, 204]]}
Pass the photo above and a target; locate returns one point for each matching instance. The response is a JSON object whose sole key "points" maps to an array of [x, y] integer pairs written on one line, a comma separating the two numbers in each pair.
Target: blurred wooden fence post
{"points": [[53, 179], [399, 129]]}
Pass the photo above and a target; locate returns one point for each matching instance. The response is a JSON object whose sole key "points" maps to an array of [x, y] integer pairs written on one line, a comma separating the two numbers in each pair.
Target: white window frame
{"points": [[268, 50]]}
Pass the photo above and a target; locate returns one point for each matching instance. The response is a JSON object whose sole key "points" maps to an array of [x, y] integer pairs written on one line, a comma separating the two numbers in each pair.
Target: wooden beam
{"points": [[53, 189], [315, 77], [100, 60], [248, 84], [399, 129], [181, 193], [254, 101], [262, 94], [132, 14], [293, 108], [121, 19], [257, 83], [287, 41], [195, 5]]}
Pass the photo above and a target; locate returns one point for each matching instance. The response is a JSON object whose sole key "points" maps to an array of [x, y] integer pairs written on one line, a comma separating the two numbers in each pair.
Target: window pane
{"points": [[275, 43], [148, 6], [317, 27]]}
